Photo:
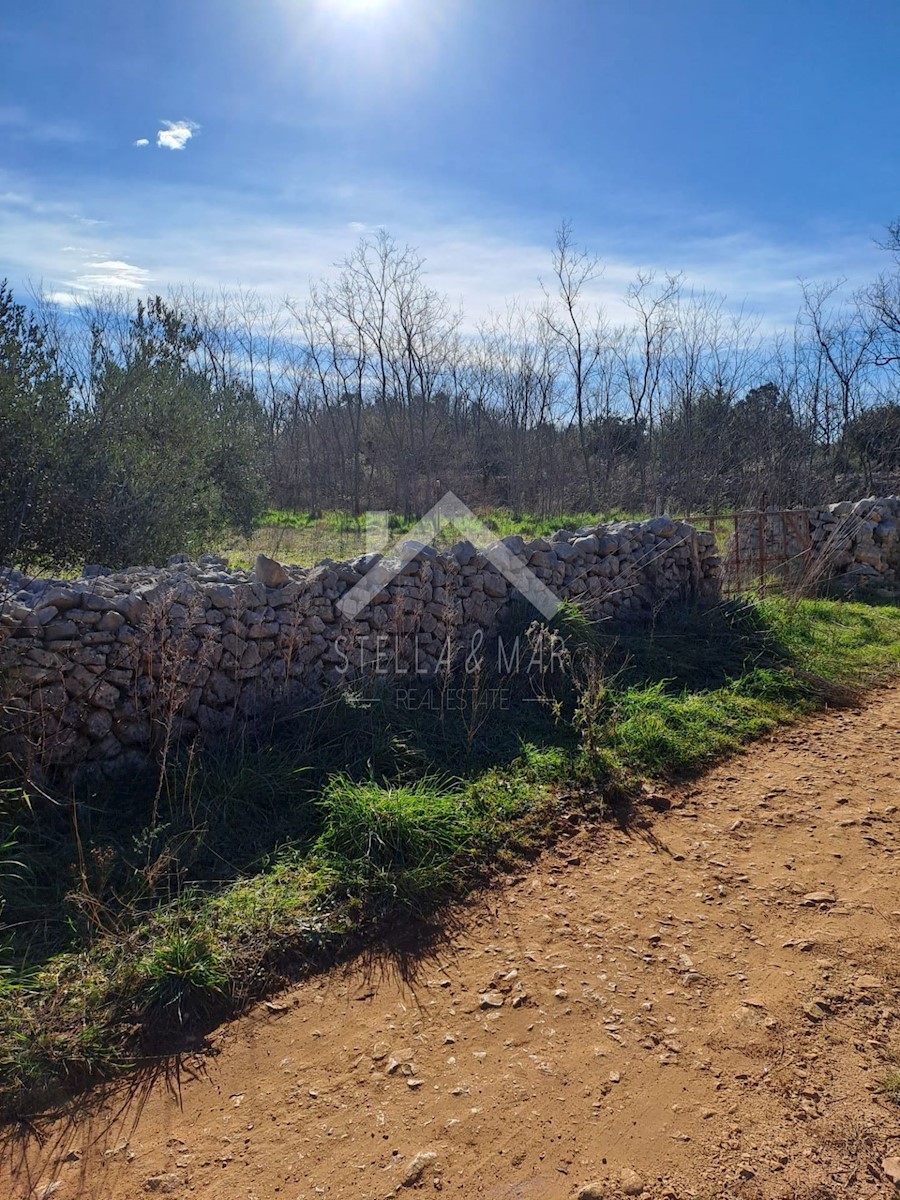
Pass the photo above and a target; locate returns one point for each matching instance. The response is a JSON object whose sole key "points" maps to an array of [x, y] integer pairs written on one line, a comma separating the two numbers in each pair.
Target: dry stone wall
{"points": [[113, 666], [858, 540]]}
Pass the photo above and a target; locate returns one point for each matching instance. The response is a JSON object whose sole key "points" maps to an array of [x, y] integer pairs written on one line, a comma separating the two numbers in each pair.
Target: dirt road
{"points": [[700, 1004]]}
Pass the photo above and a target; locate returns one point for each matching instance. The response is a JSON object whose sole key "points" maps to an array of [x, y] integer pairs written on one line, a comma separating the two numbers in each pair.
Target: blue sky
{"points": [[745, 142]]}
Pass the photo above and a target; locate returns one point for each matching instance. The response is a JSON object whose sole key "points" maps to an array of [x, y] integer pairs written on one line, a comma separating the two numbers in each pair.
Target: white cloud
{"points": [[91, 277], [141, 142], [105, 274], [63, 299], [175, 135]]}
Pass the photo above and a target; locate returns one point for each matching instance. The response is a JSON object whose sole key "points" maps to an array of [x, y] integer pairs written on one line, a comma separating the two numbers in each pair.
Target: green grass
{"points": [[889, 1085], [652, 733], [395, 846], [844, 643], [183, 976], [135, 910], [307, 538]]}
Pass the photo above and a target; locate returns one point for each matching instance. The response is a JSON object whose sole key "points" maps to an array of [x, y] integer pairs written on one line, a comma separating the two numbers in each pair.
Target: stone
{"points": [[463, 552], [663, 527], [632, 1184], [221, 595], [594, 1191], [862, 570], [97, 724], [813, 898], [164, 1184], [491, 1000], [251, 656], [417, 1166], [545, 559], [210, 720], [816, 1010], [495, 585], [58, 630], [270, 572], [867, 983], [133, 732], [60, 598], [104, 695]]}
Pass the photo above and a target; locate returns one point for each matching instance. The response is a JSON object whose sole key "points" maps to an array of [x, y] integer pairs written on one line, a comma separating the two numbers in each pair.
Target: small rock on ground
{"points": [[593, 1191], [165, 1184], [632, 1183], [418, 1164]]}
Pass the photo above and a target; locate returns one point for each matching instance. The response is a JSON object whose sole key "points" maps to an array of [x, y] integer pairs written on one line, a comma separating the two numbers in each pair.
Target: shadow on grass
{"points": [[114, 848]]}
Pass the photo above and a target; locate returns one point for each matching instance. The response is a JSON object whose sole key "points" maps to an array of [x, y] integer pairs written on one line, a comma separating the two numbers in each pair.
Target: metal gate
{"points": [[760, 547]]}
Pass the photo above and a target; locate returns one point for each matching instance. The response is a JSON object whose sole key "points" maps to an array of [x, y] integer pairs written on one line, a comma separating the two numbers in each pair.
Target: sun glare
{"points": [[358, 8], [351, 47]]}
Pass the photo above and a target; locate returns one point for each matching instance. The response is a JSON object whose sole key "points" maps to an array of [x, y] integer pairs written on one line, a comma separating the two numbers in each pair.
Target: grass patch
{"points": [[183, 976], [396, 846], [308, 538], [846, 643], [135, 909], [889, 1085], [654, 734]]}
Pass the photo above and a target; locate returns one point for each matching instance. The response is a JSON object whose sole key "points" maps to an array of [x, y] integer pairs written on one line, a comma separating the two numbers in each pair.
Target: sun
{"points": [[350, 47]]}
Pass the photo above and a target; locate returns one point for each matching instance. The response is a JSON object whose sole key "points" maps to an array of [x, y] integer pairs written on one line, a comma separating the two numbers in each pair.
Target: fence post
{"points": [[785, 551], [737, 554], [763, 502]]}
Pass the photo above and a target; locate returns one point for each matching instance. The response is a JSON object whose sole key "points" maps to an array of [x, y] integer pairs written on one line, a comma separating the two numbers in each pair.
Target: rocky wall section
{"points": [[853, 542], [856, 541], [113, 666]]}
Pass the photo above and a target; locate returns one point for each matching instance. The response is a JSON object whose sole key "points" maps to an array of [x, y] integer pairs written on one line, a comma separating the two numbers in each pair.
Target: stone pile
{"points": [[108, 667], [858, 540]]}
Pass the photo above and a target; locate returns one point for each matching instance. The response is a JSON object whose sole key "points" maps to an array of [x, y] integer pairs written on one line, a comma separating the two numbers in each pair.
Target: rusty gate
{"points": [[760, 547]]}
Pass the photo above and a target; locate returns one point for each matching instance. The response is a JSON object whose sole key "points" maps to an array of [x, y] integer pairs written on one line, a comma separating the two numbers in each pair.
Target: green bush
{"points": [[141, 455]]}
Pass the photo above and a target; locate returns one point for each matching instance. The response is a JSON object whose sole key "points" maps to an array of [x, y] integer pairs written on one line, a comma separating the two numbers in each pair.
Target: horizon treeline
{"points": [[132, 429]]}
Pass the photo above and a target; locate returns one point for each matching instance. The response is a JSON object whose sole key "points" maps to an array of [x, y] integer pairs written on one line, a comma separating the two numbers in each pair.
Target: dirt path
{"points": [[679, 1014]]}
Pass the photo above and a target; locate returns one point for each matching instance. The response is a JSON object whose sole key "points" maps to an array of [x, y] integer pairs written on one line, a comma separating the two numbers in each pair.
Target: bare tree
{"points": [[845, 335], [883, 299], [579, 333], [642, 351]]}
